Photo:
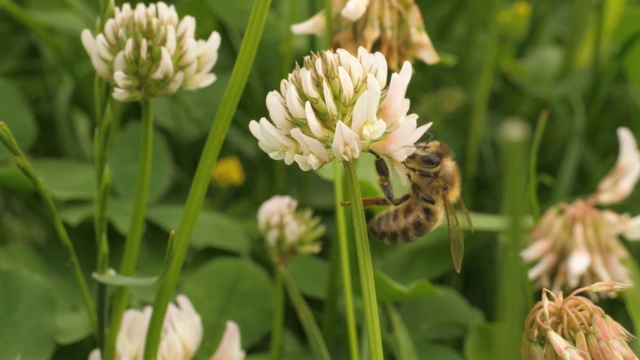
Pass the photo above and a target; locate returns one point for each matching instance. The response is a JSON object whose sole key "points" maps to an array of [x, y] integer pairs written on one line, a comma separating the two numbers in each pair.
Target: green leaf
{"points": [[310, 273], [27, 328], [122, 280], [632, 296], [389, 291], [183, 115], [231, 289], [212, 229], [12, 178], [16, 112], [67, 179], [405, 348], [443, 316], [480, 342], [63, 21], [124, 163]]}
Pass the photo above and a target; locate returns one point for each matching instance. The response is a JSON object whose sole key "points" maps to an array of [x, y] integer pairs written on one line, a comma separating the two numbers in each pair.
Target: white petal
{"points": [[346, 86], [294, 104], [95, 355], [314, 125], [346, 143], [535, 251], [276, 106], [230, 347], [170, 42], [395, 105], [307, 84], [316, 25], [328, 99], [577, 264], [88, 42], [544, 265], [621, 180], [631, 228], [354, 9], [165, 69]]}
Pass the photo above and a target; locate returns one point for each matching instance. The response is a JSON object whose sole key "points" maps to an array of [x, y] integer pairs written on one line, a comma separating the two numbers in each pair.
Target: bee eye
{"points": [[431, 160]]}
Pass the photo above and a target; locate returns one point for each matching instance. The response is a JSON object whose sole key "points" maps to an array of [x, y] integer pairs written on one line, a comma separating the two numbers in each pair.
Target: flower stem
{"points": [[533, 179], [307, 320], [200, 183], [345, 265], [365, 266], [513, 301], [278, 317], [6, 136], [136, 227], [102, 140]]}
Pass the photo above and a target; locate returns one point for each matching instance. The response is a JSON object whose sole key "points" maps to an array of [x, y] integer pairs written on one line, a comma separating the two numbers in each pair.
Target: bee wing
{"points": [[465, 212], [456, 239]]}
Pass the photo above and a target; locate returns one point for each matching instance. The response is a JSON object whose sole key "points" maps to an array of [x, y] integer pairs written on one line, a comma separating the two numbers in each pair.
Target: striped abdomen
{"points": [[405, 222]]}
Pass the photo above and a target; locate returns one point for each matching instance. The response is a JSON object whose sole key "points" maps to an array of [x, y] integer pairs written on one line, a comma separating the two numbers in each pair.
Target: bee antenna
{"points": [[430, 136]]}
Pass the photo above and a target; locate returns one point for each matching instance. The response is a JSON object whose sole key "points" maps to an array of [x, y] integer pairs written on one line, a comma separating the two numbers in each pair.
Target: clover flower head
{"points": [[574, 328], [394, 27], [147, 51], [578, 243], [287, 230], [335, 106], [181, 335]]}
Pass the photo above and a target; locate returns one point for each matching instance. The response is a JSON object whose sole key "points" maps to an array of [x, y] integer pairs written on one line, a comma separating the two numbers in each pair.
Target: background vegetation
{"points": [[578, 59]]}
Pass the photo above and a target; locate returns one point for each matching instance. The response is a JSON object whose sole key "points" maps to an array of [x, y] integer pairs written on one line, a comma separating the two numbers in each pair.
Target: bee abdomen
{"points": [[401, 224]]}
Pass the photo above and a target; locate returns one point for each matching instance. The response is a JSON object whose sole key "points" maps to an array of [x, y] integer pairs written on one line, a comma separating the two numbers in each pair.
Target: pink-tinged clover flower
{"points": [[578, 244], [575, 328], [287, 229], [394, 27], [147, 51], [181, 335], [335, 106]]}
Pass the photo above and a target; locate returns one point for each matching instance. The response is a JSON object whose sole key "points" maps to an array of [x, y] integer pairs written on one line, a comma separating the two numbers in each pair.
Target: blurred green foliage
{"points": [[578, 59]]}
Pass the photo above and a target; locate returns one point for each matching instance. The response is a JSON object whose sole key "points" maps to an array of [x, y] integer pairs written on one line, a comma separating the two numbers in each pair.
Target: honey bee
{"points": [[435, 188]]}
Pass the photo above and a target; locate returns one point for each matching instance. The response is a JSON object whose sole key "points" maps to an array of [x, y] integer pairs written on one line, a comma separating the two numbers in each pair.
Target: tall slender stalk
{"points": [[200, 183], [345, 264], [533, 179], [309, 325], [136, 227], [513, 302], [365, 266], [6, 136]]}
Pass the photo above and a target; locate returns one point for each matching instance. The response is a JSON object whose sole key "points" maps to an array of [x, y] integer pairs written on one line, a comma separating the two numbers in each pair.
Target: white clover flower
{"points": [[148, 52], [230, 347], [181, 335], [621, 180], [286, 229], [335, 106], [578, 243], [394, 27]]}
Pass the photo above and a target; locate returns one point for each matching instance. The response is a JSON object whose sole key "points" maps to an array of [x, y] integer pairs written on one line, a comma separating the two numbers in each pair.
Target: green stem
{"points": [[307, 320], [406, 349], [201, 179], [482, 91], [513, 301], [23, 163], [533, 182], [278, 317], [345, 264], [365, 266], [103, 181], [136, 227], [328, 32]]}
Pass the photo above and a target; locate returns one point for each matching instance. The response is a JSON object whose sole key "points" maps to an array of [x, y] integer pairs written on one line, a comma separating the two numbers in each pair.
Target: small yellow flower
{"points": [[228, 172]]}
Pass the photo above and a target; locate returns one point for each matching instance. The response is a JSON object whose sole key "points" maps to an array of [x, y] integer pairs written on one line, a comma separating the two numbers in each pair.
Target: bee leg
{"points": [[384, 183], [382, 201]]}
